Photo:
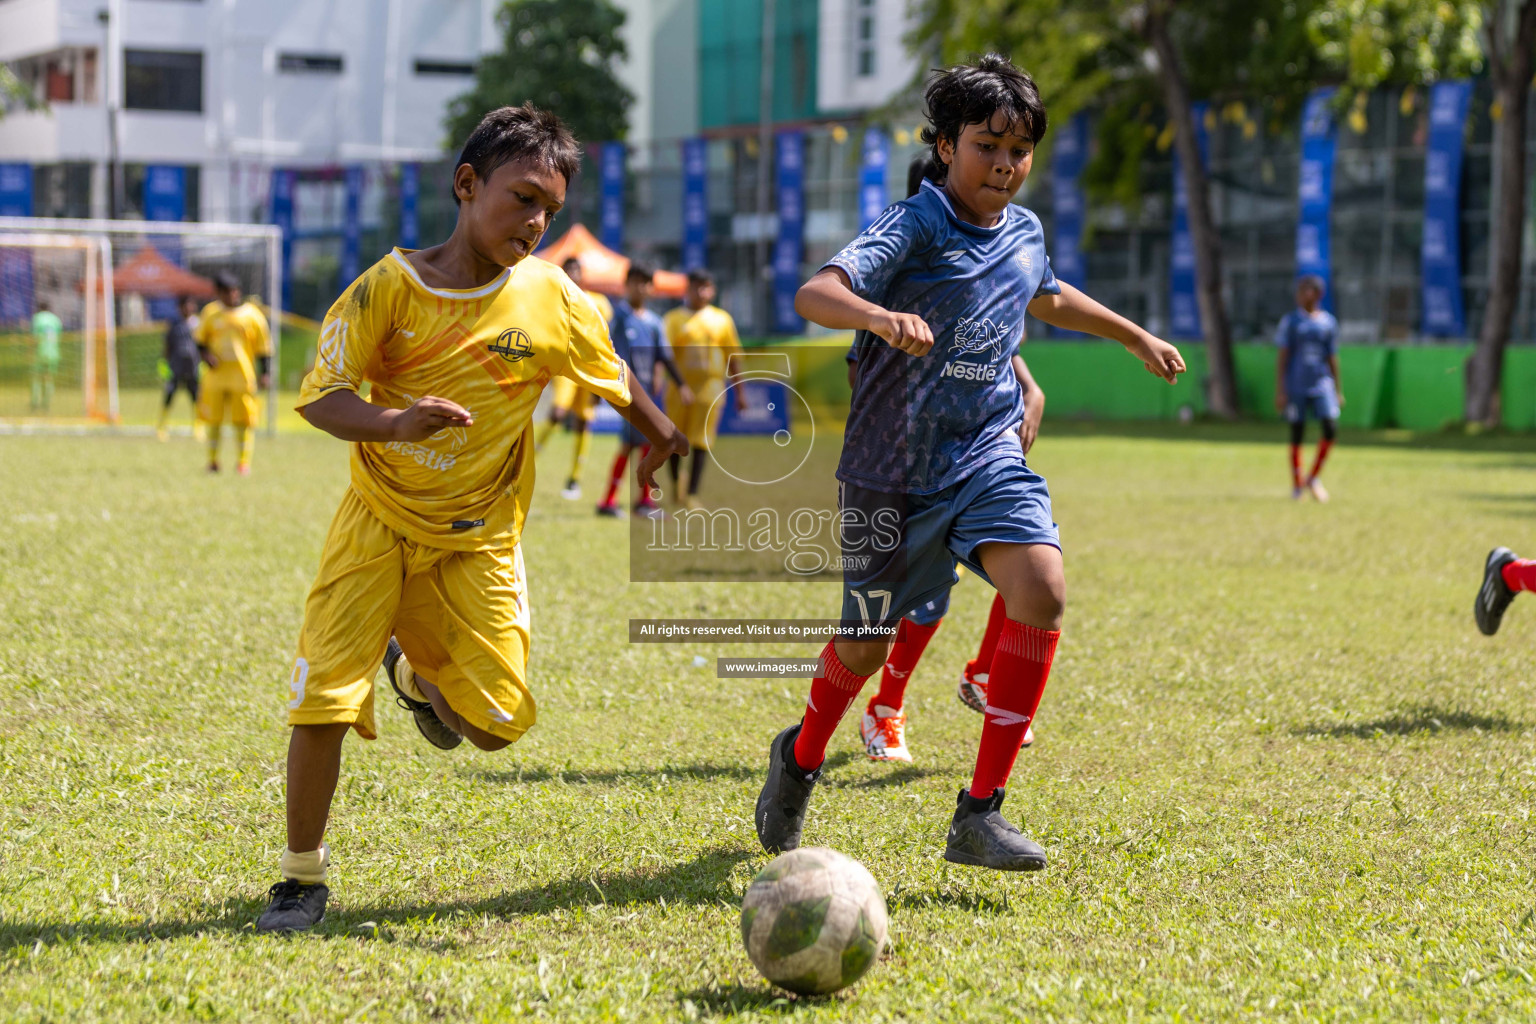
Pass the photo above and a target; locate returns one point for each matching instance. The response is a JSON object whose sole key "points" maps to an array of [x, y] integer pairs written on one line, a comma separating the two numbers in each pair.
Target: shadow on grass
{"points": [[1423, 719], [896, 777], [675, 772], [727, 1000], [944, 896], [704, 880]]}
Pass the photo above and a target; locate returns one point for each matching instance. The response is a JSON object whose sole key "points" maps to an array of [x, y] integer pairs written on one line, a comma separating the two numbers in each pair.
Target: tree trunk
{"points": [[1221, 393], [1512, 90]]}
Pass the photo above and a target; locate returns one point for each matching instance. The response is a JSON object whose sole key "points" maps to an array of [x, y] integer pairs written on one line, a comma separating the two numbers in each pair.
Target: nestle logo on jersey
{"points": [[512, 345], [969, 371]]}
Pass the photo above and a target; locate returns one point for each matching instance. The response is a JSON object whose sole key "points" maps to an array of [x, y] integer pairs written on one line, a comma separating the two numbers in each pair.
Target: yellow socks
{"points": [[306, 868], [543, 434], [246, 438], [405, 678], [214, 429]]}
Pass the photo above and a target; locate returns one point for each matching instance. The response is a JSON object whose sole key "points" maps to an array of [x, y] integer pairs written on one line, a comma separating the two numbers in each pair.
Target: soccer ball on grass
{"points": [[813, 921]]}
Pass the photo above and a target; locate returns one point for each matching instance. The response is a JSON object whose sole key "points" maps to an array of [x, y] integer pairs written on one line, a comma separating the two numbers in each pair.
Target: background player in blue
{"points": [[1307, 379], [938, 288], [641, 341]]}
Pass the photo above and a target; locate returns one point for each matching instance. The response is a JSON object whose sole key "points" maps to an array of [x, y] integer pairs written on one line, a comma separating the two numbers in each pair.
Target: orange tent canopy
{"points": [[149, 273], [602, 269]]}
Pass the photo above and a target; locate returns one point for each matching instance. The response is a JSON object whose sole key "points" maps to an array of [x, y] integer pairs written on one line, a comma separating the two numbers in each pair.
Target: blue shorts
{"points": [[1321, 404], [900, 550]]}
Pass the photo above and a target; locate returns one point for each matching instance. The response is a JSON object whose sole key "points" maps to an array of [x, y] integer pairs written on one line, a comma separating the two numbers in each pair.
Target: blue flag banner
{"points": [[284, 182], [611, 171], [695, 205], [1183, 306], [1070, 208], [352, 228], [410, 192], [872, 172], [788, 250], [1315, 192], [1442, 312], [165, 198], [15, 264]]}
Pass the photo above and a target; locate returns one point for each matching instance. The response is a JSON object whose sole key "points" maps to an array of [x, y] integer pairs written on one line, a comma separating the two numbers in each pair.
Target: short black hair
{"points": [[975, 94], [569, 260], [517, 133], [183, 299], [699, 276], [639, 271], [224, 281], [919, 170]]}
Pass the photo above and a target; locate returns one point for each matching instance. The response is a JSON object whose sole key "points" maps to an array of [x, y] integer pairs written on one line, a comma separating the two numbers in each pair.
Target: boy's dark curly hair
{"points": [[975, 94], [515, 133]]}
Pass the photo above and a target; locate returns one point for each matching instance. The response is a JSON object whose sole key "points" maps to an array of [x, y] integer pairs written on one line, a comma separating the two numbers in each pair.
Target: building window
{"points": [[163, 80], [320, 63], [864, 37], [456, 68]]}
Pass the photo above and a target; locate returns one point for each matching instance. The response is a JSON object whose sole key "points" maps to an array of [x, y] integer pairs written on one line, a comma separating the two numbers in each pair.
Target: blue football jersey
{"points": [[1311, 339], [638, 338], [919, 424]]}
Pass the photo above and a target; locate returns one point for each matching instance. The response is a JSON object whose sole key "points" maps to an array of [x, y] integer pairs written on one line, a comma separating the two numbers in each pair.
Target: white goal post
{"points": [[108, 244]]}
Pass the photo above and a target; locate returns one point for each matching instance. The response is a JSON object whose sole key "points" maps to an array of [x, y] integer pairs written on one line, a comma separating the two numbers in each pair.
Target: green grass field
{"points": [[1280, 775]]}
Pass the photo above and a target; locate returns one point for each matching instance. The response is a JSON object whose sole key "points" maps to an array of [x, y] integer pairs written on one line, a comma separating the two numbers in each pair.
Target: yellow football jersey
{"points": [[492, 350], [235, 337], [702, 342]]}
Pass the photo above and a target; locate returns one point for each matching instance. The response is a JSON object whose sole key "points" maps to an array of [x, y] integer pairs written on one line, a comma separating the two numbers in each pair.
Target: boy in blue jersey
{"points": [[641, 341], [1307, 379], [938, 287]]}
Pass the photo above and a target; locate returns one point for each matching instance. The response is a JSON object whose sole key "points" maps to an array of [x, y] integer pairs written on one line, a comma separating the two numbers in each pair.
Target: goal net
{"points": [[85, 306]]}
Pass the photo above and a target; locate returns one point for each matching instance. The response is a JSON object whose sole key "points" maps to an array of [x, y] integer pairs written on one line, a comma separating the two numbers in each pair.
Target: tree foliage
{"points": [[15, 93], [556, 54], [1371, 43]]}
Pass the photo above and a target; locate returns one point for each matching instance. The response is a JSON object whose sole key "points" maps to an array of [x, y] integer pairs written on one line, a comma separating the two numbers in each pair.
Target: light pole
{"points": [[109, 94]]}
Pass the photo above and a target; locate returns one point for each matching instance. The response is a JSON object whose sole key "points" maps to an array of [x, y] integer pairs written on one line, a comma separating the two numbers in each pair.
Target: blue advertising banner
{"points": [[165, 198], [15, 264], [611, 169], [1315, 192], [788, 251], [1068, 159], [873, 197], [283, 186], [1183, 306], [1443, 314], [352, 228], [15, 190], [410, 193], [695, 205]]}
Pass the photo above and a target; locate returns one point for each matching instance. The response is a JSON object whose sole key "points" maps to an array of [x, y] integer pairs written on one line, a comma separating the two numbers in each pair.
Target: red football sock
{"points": [[988, 649], [616, 476], [1295, 465], [832, 693], [1017, 681], [911, 640], [1520, 575], [1323, 447]]}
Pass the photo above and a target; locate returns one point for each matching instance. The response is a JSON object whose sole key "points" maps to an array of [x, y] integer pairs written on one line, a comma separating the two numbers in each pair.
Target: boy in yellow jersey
{"points": [[457, 342], [233, 338], [572, 405], [703, 339]]}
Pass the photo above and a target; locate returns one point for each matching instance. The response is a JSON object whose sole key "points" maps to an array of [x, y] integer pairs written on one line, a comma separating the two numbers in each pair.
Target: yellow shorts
{"points": [[460, 616], [573, 398], [700, 420], [218, 395]]}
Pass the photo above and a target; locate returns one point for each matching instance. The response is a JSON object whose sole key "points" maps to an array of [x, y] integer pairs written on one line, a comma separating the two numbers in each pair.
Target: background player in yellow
{"points": [[574, 406], [234, 340], [703, 339], [457, 342]]}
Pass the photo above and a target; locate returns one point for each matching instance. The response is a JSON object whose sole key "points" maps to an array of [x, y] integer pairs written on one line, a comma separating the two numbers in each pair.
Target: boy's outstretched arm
{"points": [[827, 299], [1074, 311], [665, 438], [343, 414]]}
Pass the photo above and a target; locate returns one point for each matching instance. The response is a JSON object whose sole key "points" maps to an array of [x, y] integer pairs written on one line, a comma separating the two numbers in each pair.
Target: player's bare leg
{"points": [[1033, 586], [451, 718], [314, 764]]}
